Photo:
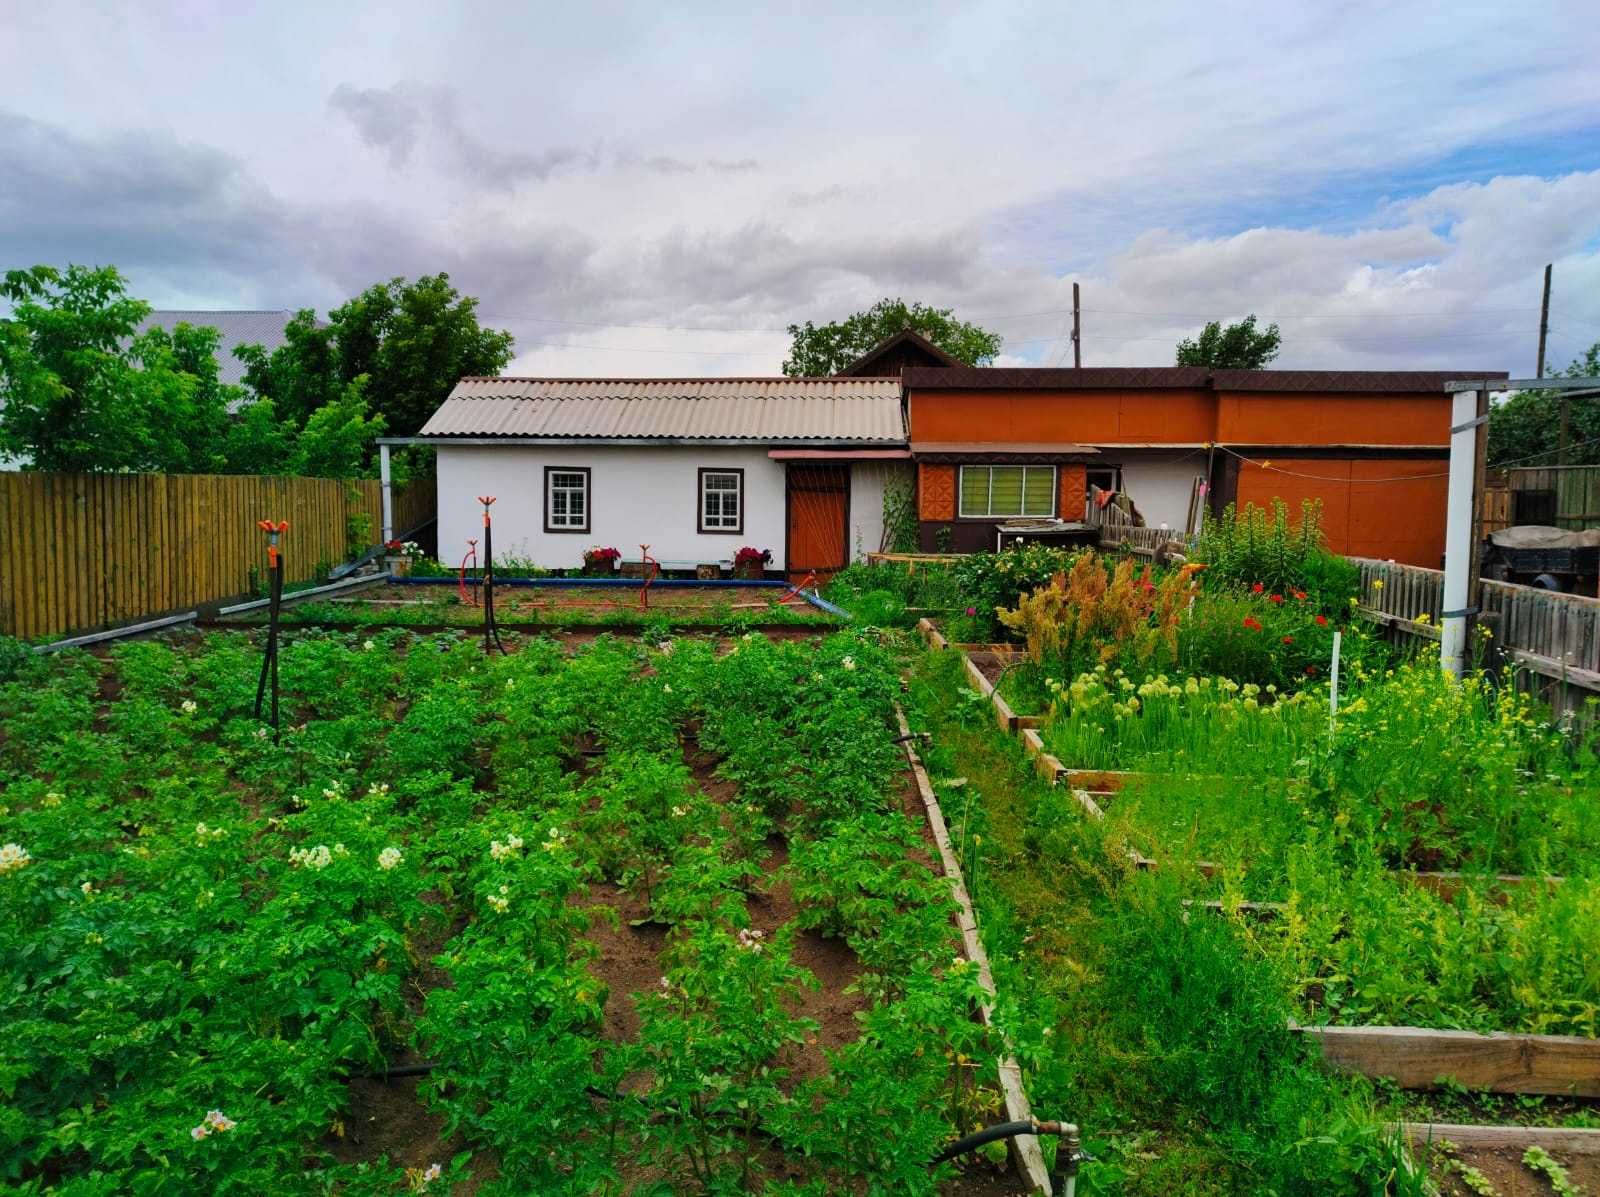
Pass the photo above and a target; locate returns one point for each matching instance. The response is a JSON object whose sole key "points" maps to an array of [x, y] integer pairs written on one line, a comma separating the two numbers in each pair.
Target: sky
{"points": [[659, 190]]}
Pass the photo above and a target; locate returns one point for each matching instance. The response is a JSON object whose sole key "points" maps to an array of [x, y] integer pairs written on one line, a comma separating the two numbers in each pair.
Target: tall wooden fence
{"points": [[1556, 635], [85, 551]]}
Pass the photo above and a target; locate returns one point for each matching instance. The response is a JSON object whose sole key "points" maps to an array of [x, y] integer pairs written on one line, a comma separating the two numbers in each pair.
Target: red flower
{"points": [[1322, 621], [1277, 598], [1299, 596], [1311, 671], [1288, 639], [1250, 622], [1257, 588]]}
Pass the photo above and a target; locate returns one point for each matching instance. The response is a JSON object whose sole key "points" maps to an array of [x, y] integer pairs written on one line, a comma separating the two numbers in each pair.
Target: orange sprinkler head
{"points": [[269, 526]]}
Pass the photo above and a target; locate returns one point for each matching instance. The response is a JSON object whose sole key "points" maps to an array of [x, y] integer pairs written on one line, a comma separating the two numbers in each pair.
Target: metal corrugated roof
{"points": [[234, 328], [753, 409]]}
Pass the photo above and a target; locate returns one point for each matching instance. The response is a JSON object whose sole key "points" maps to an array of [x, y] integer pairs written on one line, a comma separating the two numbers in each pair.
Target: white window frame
{"points": [[989, 513], [715, 525], [559, 522]]}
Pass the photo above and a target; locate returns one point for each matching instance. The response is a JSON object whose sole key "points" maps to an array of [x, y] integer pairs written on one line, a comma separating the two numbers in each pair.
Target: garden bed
{"points": [[651, 914], [541, 607], [1072, 901]]}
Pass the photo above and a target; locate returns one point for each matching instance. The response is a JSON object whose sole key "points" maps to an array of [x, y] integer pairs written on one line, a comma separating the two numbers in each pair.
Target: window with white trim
{"points": [[721, 500], [566, 500], [1006, 490]]}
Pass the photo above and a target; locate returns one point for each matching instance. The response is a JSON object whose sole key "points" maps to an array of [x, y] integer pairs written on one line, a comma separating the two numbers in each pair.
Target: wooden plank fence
{"points": [[1556, 635], [80, 552]]}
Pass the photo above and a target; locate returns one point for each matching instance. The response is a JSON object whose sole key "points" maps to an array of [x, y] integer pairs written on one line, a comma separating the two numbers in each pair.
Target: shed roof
{"points": [[234, 328], [765, 410], [1144, 378]]}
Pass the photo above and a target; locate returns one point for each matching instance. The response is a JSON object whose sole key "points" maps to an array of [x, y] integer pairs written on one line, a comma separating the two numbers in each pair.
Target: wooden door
{"points": [[819, 515]]}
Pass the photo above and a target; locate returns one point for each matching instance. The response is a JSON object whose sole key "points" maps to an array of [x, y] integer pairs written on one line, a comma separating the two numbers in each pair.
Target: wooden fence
{"points": [[1556, 635], [79, 552]]}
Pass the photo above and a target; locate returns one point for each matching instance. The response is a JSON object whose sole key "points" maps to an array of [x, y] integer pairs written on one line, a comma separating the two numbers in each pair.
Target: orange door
{"points": [[819, 513]]}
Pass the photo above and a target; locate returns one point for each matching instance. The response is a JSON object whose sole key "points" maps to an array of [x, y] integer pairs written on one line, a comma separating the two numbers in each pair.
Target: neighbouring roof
{"points": [[766, 410], [907, 348], [233, 328], [1147, 378]]}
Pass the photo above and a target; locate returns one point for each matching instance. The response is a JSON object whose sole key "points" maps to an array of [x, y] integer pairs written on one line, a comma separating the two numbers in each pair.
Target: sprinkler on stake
{"points": [[269, 661], [491, 630]]}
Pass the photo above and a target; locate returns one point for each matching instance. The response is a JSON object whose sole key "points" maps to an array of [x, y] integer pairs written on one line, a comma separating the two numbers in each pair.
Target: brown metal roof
{"points": [[1146, 378], [1005, 448], [768, 410]]}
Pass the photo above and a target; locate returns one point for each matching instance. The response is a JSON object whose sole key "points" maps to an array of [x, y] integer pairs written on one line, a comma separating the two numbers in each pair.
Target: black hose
{"points": [[989, 1134]]}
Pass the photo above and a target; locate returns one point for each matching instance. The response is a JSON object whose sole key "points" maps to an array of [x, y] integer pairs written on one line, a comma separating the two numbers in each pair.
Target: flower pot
{"points": [[598, 569], [399, 567], [754, 570]]}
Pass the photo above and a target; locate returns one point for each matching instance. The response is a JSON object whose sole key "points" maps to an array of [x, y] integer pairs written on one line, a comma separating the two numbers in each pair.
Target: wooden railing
{"points": [[1557, 635]]}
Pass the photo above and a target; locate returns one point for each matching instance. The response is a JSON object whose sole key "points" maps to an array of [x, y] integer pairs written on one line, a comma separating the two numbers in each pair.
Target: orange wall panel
{"points": [[1365, 511], [1093, 417], [1296, 419], [936, 492], [1072, 482]]}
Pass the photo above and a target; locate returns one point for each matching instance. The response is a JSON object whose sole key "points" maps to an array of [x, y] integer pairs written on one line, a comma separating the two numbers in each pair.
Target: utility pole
{"points": [[1544, 332], [1077, 341]]}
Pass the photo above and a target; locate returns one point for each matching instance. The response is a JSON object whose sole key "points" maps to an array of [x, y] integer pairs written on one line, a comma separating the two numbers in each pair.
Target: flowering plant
{"points": [[749, 556], [598, 555]]}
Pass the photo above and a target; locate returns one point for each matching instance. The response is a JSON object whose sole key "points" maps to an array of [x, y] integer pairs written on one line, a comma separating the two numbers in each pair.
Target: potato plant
{"points": [[209, 933]]}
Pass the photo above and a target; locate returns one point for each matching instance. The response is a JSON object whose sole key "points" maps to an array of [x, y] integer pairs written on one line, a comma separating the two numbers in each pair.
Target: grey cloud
{"points": [[396, 119], [386, 118]]}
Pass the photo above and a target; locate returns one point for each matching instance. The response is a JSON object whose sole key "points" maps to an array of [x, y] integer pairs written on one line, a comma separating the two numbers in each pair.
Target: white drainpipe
{"points": [[1459, 522], [386, 489]]}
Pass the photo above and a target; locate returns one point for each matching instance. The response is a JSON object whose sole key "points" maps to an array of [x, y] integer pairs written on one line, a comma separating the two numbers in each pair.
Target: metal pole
{"points": [[386, 488], [269, 661], [1459, 519]]}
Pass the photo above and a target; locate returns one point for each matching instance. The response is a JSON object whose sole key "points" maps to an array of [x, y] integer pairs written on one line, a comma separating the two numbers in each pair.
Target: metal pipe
{"points": [[629, 583], [295, 596], [131, 629], [387, 489], [1459, 521]]}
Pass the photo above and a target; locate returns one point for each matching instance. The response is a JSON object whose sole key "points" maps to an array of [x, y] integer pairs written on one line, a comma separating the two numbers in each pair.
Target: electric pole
{"points": [[1077, 341], [1544, 332]]}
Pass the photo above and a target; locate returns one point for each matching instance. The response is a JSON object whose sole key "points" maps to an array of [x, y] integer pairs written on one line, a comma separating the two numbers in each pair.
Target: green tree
{"points": [[411, 341], [336, 439], [81, 389], [820, 350], [73, 396], [1239, 346], [1525, 428]]}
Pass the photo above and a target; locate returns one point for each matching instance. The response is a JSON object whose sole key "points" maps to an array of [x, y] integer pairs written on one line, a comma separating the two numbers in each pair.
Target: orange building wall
{"points": [[1179, 417], [936, 492], [1371, 508], [1094, 417], [1259, 418], [1072, 482]]}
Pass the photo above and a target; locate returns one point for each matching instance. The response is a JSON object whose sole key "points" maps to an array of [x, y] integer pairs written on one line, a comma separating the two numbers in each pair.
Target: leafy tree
{"points": [[74, 397], [819, 350], [412, 342], [1240, 346], [1525, 429], [335, 440]]}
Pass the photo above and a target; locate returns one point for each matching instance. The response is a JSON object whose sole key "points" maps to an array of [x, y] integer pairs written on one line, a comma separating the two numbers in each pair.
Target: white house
{"points": [[695, 468]]}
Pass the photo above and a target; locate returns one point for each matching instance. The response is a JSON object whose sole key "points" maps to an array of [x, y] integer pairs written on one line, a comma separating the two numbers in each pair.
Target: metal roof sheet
{"points": [[234, 328], [753, 409]]}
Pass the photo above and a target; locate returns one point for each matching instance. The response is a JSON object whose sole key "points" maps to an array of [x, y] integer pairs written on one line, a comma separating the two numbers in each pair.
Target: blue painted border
{"points": [[618, 583]]}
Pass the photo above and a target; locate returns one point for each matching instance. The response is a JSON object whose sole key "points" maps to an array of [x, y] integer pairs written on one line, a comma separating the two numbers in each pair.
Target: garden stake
{"points": [[491, 630], [269, 661], [1333, 684]]}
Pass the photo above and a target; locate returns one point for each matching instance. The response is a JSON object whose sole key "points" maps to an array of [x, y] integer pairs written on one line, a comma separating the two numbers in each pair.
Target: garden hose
{"points": [[1064, 1181]]}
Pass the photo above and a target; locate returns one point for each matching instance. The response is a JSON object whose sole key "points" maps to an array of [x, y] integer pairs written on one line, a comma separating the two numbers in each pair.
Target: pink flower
{"points": [[972, 610]]}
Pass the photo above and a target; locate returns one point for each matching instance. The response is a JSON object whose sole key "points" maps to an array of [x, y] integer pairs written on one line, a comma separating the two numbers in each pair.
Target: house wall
{"points": [[867, 480], [638, 493], [1159, 483], [1379, 507]]}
